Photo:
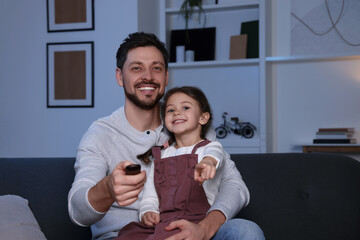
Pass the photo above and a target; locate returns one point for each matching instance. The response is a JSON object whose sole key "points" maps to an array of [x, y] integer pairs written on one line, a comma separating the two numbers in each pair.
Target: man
{"points": [[102, 195]]}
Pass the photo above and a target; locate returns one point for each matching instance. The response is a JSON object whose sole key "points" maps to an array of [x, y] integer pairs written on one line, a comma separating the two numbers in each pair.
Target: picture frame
{"points": [[70, 74], [201, 40], [70, 15]]}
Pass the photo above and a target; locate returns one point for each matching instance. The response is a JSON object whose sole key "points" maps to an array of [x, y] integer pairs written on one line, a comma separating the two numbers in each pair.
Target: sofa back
{"points": [[301, 196], [292, 195]]}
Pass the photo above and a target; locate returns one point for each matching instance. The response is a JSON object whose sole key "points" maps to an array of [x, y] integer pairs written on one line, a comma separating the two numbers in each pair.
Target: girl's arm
{"points": [[150, 200]]}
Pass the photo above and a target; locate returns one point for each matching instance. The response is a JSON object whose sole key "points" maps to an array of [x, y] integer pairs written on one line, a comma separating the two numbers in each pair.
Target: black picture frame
{"points": [[201, 40], [70, 74], [76, 17]]}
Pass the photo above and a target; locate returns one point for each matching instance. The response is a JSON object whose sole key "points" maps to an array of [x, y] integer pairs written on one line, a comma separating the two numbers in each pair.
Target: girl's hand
{"points": [[150, 218], [205, 169], [166, 144]]}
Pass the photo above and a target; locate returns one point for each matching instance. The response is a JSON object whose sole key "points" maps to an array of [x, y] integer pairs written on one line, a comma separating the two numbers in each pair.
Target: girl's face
{"points": [[183, 116]]}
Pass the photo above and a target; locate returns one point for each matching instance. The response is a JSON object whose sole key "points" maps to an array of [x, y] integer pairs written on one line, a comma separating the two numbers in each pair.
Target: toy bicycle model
{"points": [[245, 129]]}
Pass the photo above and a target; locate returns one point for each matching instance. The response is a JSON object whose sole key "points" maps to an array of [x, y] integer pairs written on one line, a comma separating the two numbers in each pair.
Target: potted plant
{"points": [[188, 7]]}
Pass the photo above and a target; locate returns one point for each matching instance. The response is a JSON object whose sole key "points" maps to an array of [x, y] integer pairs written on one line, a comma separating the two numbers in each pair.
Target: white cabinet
{"points": [[233, 86]]}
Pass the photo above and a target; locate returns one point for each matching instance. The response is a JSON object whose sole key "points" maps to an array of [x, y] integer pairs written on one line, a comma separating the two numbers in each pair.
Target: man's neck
{"points": [[141, 119]]}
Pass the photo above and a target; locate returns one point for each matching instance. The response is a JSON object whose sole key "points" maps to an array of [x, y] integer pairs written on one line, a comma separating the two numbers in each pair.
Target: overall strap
{"points": [[200, 144], [156, 152]]}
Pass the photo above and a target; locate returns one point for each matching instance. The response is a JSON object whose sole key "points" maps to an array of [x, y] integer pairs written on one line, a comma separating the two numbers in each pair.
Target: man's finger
{"points": [[173, 225], [183, 225], [179, 236], [126, 202]]}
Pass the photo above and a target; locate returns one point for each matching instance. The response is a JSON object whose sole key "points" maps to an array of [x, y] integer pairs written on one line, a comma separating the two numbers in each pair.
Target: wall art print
{"points": [[70, 15], [70, 74]]}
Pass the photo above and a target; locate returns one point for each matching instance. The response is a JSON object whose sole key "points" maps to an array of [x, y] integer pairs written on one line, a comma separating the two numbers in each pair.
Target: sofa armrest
{"points": [[45, 183]]}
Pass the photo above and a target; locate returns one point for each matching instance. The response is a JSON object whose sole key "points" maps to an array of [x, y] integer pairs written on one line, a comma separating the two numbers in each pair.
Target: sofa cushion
{"points": [[17, 221], [45, 183]]}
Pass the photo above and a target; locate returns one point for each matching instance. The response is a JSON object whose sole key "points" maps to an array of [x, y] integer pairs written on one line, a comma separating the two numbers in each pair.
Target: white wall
{"points": [[311, 95], [307, 95], [345, 39], [27, 127]]}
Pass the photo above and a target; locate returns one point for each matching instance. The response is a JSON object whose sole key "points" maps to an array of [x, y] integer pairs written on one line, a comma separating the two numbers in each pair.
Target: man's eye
{"points": [[158, 68], [135, 68]]}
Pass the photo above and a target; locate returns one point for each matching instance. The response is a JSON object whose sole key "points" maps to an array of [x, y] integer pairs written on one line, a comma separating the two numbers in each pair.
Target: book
{"points": [[334, 135], [238, 45], [352, 130], [252, 30], [335, 141]]}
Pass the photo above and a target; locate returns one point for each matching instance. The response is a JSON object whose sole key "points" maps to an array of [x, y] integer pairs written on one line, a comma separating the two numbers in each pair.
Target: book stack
{"points": [[335, 136]]}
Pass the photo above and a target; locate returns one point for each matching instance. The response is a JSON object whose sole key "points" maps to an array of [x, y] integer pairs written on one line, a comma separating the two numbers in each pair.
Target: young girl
{"points": [[176, 187]]}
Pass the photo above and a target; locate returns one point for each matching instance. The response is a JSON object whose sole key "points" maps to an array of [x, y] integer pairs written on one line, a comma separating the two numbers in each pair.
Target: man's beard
{"points": [[145, 105]]}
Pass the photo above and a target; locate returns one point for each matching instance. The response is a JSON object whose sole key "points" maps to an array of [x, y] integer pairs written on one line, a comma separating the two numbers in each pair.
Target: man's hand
{"points": [[205, 169], [117, 187], [125, 189], [189, 231], [150, 218], [204, 230]]}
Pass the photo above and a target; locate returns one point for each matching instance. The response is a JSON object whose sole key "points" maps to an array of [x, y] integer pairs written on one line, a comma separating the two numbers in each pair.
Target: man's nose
{"points": [[147, 76]]}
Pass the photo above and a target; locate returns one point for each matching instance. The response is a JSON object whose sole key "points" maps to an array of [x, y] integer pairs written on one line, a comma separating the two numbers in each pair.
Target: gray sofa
{"points": [[293, 195]]}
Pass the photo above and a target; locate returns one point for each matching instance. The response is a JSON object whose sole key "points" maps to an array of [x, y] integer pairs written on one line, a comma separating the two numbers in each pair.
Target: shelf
{"points": [[238, 144], [244, 86], [248, 4], [239, 141], [330, 145], [221, 63], [289, 59], [334, 148]]}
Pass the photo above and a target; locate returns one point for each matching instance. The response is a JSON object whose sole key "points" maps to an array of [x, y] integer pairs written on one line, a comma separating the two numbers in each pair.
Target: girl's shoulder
{"points": [[168, 150], [213, 143], [172, 151]]}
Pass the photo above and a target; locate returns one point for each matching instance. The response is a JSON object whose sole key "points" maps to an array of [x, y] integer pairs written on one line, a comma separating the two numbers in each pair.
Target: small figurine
{"points": [[245, 129]]}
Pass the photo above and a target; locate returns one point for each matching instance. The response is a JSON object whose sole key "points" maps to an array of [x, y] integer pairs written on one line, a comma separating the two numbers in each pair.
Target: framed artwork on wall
{"points": [[70, 15], [70, 74]]}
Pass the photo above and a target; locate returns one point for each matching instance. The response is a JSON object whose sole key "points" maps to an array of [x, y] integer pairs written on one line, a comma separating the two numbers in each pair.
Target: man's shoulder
{"points": [[108, 123], [115, 115], [114, 118]]}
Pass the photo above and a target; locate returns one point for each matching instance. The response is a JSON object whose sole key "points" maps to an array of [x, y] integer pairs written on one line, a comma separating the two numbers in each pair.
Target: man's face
{"points": [[143, 77]]}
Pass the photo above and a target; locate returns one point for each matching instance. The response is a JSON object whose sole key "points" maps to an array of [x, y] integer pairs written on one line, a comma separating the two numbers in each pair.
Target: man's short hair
{"points": [[140, 39]]}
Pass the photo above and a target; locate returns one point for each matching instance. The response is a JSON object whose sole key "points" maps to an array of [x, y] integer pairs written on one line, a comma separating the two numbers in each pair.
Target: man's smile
{"points": [[146, 88]]}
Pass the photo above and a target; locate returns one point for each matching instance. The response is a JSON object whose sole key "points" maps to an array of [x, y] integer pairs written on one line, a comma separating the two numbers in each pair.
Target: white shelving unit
{"points": [[288, 59], [233, 86]]}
